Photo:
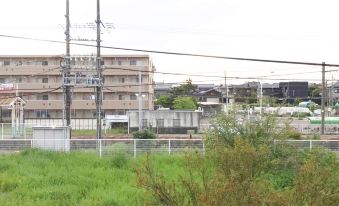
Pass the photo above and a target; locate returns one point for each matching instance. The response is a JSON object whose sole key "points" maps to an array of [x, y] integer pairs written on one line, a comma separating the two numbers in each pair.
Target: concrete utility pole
{"points": [[66, 72], [323, 99], [98, 90], [226, 93]]}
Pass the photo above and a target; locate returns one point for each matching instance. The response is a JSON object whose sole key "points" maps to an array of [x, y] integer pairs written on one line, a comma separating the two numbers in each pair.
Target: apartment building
{"points": [[38, 80]]}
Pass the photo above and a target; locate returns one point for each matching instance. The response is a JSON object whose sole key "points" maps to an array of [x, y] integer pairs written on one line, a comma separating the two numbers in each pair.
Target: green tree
{"points": [[164, 101], [184, 103], [186, 89]]}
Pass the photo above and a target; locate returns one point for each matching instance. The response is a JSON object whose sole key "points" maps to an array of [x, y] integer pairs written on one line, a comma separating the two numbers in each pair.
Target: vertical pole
{"points": [[100, 148], [135, 148], [310, 145], [169, 146], [98, 99], [2, 131], [260, 99], [226, 93], [66, 72], [323, 100]]}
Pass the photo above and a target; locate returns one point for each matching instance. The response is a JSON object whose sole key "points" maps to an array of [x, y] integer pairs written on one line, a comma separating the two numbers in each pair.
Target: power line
{"points": [[200, 75], [176, 53]]}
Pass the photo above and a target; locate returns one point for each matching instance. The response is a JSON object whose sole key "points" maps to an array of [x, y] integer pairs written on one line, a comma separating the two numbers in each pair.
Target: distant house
{"points": [[272, 90], [293, 90], [210, 101], [163, 89], [243, 92]]}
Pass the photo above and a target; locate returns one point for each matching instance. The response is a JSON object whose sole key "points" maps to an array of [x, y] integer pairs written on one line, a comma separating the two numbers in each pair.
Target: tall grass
{"points": [[37, 178]]}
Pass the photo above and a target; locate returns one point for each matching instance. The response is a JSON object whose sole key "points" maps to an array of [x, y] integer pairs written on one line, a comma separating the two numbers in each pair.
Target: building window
{"points": [[144, 123], [44, 80], [2, 80], [7, 63], [102, 62], [176, 122], [42, 114], [45, 97], [133, 97], [119, 62], [133, 62], [160, 123], [122, 80], [45, 63], [120, 97]]}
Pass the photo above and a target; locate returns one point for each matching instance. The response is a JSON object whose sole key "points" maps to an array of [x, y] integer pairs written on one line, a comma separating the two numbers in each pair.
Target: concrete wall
{"points": [[188, 120]]}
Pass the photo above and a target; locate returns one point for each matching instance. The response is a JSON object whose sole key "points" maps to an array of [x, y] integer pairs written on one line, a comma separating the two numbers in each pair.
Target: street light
{"points": [[140, 109]]}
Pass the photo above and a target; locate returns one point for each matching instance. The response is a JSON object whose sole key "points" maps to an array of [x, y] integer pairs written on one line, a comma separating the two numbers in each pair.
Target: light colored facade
{"points": [[38, 80], [166, 121]]}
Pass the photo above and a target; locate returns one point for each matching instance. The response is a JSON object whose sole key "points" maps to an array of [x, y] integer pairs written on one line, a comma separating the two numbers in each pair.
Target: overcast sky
{"points": [[295, 30]]}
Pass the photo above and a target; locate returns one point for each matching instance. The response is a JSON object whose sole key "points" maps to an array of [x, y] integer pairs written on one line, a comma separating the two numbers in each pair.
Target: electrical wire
{"points": [[176, 53]]}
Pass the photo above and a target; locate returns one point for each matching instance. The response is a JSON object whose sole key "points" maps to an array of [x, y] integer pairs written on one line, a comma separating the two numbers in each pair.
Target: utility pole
{"points": [[98, 89], [323, 100], [66, 71]]}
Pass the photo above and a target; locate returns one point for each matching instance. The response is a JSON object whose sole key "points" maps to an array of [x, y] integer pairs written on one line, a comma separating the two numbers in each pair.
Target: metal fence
{"points": [[332, 145], [104, 147]]}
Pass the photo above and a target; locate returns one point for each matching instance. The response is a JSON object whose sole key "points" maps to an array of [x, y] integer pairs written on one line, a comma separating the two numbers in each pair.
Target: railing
{"points": [[332, 145], [302, 128], [105, 147]]}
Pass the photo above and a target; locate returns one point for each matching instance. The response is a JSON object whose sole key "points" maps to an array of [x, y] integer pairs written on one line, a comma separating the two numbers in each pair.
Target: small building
{"points": [[292, 90], [272, 90], [166, 121]]}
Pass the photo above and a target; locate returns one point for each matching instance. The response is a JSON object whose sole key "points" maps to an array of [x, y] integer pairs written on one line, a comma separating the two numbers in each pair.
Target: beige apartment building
{"points": [[38, 80]]}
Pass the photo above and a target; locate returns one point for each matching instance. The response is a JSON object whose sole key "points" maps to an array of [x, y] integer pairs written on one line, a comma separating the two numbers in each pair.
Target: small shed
{"points": [[51, 138]]}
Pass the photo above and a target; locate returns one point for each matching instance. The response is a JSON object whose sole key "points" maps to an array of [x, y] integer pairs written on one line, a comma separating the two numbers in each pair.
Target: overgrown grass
{"points": [[37, 178]]}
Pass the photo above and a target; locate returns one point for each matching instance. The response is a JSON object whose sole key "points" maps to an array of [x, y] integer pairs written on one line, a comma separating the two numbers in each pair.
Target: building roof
{"points": [[9, 101], [163, 86], [270, 86]]}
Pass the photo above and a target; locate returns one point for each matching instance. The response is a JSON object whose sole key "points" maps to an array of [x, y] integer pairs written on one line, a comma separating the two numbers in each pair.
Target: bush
{"points": [[119, 161], [145, 134]]}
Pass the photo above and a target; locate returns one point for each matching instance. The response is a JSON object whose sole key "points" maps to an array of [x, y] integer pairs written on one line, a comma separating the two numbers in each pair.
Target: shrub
{"points": [[119, 161], [145, 134]]}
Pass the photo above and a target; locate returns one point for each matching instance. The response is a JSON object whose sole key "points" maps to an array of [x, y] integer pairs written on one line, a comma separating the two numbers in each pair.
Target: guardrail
{"points": [[105, 147]]}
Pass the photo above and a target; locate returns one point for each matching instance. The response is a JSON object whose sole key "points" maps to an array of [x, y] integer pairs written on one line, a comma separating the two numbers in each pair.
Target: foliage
{"points": [[314, 90], [185, 103], [50, 178], [144, 134], [301, 115], [164, 101], [269, 101], [186, 89], [242, 166]]}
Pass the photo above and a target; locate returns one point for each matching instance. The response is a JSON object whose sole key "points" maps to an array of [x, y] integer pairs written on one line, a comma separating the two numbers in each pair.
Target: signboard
{"points": [[116, 118], [6, 87]]}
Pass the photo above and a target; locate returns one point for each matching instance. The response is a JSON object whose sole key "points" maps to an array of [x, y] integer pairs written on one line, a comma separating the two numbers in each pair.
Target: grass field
{"points": [[45, 178]]}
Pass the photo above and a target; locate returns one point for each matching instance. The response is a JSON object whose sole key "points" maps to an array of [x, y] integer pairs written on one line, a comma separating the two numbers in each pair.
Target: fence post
{"points": [[135, 148], [100, 148], [310, 145], [169, 146]]}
